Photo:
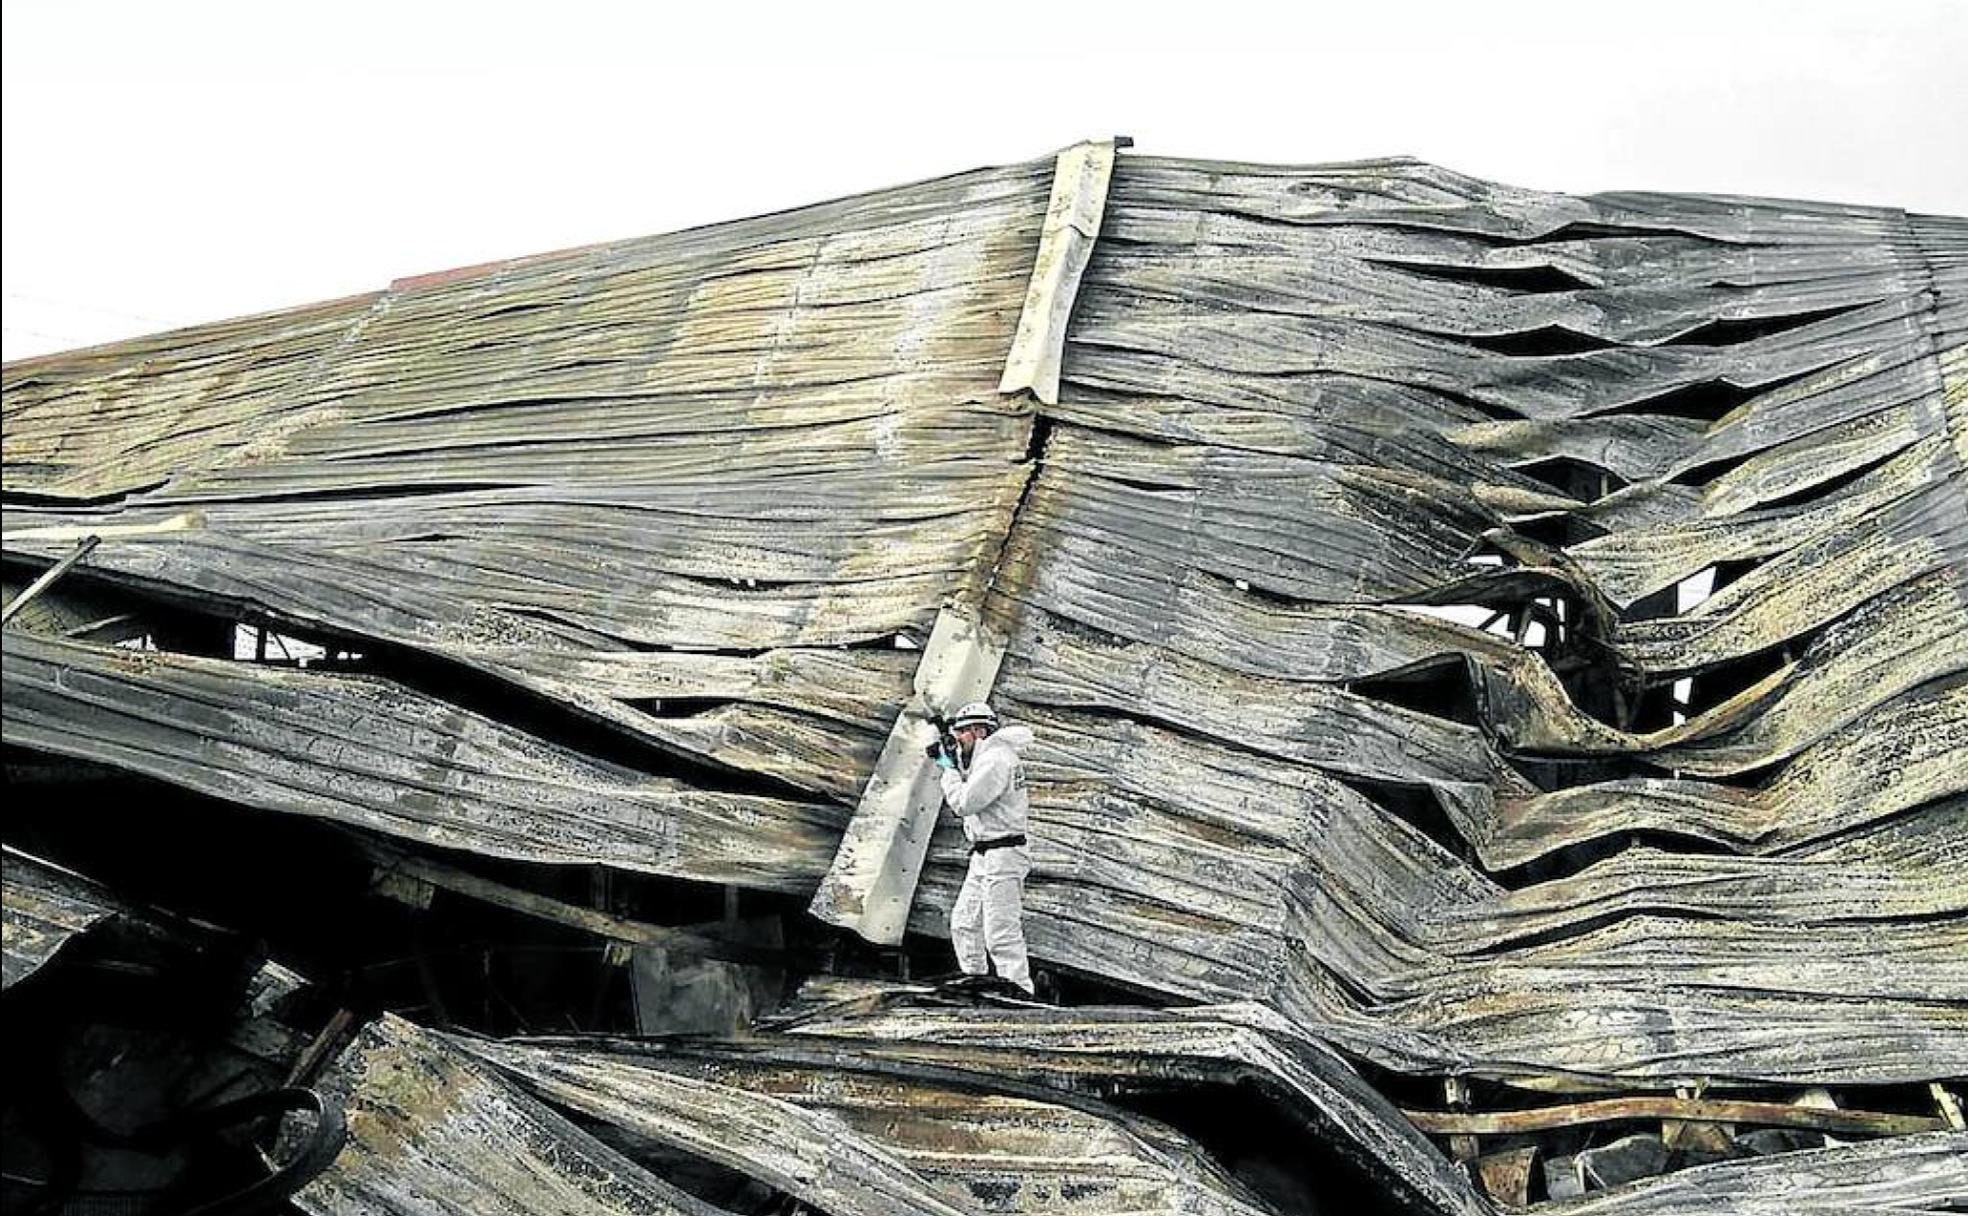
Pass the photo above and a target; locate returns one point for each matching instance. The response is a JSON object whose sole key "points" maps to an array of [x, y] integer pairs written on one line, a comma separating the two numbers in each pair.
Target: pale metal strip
{"points": [[873, 879], [1072, 224]]}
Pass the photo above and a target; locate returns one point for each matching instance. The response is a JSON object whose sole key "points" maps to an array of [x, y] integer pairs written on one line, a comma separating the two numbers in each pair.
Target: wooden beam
{"points": [[590, 920], [1769, 1114], [48, 577]]}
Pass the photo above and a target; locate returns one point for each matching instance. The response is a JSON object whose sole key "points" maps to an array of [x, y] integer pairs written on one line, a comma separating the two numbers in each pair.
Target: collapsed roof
{"points": [[1479, 632]]}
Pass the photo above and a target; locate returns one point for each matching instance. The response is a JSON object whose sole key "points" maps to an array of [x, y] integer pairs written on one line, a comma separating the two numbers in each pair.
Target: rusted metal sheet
{"points": [[1611, 1110], [1506, 1176]]}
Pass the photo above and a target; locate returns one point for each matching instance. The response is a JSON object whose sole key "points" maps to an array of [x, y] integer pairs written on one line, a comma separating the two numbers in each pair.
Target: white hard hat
{"points": [[977, 713]]}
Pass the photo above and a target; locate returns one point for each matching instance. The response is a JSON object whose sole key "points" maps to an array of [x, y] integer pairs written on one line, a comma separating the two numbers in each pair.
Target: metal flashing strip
{"points": [[1072, 224]]}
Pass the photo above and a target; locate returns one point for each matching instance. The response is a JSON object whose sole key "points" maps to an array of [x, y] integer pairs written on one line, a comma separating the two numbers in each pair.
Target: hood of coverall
{"points": [[1017, 738]]}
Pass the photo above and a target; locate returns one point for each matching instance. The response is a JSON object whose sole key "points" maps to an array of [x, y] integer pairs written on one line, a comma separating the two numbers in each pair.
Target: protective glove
{"points": [[946, 762]]}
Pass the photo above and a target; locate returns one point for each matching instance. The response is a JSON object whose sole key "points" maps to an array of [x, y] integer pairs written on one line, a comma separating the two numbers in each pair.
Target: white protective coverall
{"points": [[987, 921]]}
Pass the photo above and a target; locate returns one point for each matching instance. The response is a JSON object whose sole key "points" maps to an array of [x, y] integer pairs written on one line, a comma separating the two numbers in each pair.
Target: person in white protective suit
{"points": [[984, 783]]}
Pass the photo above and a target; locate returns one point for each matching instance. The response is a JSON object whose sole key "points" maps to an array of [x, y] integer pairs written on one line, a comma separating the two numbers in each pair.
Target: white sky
{"points": [[168, 163]]}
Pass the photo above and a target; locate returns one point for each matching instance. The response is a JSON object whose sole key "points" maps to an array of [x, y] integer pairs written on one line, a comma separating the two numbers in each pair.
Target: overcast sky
{"points": [[169, 163]]}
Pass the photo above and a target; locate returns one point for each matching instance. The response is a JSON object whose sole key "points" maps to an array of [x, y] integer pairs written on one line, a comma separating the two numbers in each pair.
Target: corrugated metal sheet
{"points": [[780, 435], [694, 488], [1114, 1050], [451, 1123], [430, 1131], [854, 1138], [1912, 1173], [378, 756], [1281, 423], [44, 907]]}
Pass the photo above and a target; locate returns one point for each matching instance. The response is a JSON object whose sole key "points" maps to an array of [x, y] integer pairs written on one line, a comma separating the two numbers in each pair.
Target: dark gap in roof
{"points": [[1579, 928], [304, 888], [1584, 230], [1488, 409], [1388, 222], [1709, 401], [1714, 685], [617, 641], [1442, 689], [1553, 773], [1913, 1098], [1558, 529], [1649, 708], [741, 586], [904, 640], [1574, 478], [367, 492], [1136, 483], [432, 538], [1731, 572], [205, 633], [1035, 445], [1749, 329], [1551, 340], [1565, 862], [676, 708], [1704, 401], [1702, 474], [1654, 605], [1417, 806], [1274, 1146], [1529, 280], [1591, 679], [729, 1190], [70, 502], [514, 307]]}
